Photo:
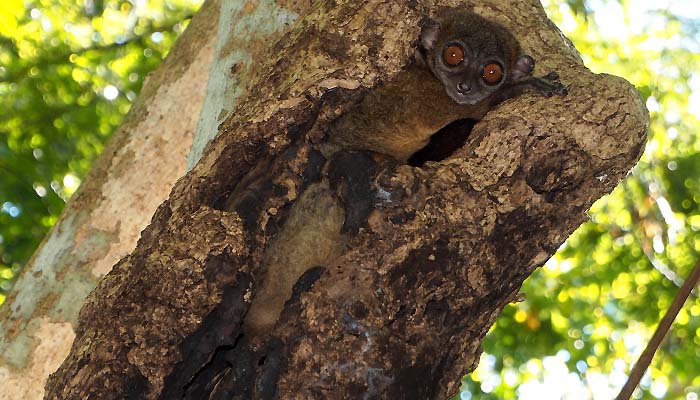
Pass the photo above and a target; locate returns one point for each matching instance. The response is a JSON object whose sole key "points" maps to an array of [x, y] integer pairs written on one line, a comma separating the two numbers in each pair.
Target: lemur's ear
{"points": [[428, 38]]}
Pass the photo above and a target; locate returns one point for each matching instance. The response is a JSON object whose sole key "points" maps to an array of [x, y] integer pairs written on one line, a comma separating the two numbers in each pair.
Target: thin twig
{"points": [[648, 354]]}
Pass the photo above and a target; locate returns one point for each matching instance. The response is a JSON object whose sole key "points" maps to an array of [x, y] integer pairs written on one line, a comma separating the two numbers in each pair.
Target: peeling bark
{"points": [[393, 299]]}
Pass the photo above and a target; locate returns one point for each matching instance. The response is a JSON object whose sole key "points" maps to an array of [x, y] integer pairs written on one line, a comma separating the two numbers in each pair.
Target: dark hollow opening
{"points": [[444, 142]]}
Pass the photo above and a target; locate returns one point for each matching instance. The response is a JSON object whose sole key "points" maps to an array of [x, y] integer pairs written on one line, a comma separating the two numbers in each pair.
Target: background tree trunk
{"points": [[391, 304], [104, 219]]}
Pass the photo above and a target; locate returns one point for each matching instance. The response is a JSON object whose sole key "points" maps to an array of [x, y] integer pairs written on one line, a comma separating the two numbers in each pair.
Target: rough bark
{"points": [[103, 221], [413, 274]]}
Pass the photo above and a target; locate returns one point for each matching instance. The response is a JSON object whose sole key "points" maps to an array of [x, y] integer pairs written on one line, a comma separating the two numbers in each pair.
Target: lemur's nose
{"points": [[464, 88]]}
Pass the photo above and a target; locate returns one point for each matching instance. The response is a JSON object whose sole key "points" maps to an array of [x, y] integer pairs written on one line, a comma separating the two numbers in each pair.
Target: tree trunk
{"points": [[294, 262]]}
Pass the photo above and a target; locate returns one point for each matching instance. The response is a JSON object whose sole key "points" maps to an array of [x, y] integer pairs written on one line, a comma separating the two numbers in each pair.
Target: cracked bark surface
{"points": [[400, 302]]}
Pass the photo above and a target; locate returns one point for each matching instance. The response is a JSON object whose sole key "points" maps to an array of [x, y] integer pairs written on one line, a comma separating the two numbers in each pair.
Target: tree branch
{"points": [[395, 303], [661, 331]]}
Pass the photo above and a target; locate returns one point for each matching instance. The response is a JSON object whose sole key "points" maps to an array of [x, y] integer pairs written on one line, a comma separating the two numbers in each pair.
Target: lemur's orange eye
{"points": [[493, 73], [453, 55]]}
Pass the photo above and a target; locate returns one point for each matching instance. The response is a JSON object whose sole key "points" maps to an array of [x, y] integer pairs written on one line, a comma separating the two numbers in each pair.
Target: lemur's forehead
{"points": [[479, 39]]}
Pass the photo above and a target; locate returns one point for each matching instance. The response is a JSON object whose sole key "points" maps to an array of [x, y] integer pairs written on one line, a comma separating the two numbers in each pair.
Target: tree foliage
{"points": [[70, 70]]}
